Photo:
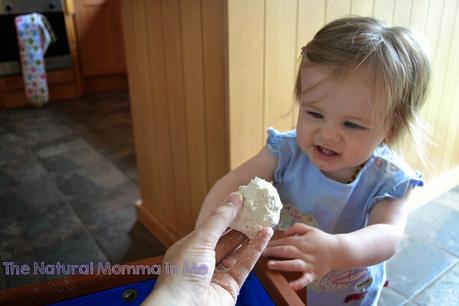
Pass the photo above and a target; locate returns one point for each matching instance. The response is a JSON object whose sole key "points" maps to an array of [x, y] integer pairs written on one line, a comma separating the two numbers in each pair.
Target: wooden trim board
{"points": [[153, 224]]}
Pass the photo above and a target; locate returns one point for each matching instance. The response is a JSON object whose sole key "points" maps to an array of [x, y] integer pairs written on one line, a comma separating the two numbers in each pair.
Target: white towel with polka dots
{"points": [[34, 36]]}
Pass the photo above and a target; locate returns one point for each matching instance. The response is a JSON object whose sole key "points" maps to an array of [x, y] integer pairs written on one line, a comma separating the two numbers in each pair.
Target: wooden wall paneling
{"points": [[165, 209], [246, 33], [134, 80], [118, 62], [94, 2], [98, 25], [135, 95], [402, 13], [337, 9], [311, 17], [426, 20], [455, 132], [193, 84], [384, 10], [280, 58], [152, 193], [69, 18], [212, 75], [362, 7], [177, 117], [418, 21], [451, 156], [142, 110], [418, 15], [439, 74], [432, 33], [215, 46], [446, 114]]}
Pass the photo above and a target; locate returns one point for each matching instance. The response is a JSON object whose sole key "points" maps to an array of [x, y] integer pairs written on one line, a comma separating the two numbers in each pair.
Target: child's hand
{"points": [[305, 249]]}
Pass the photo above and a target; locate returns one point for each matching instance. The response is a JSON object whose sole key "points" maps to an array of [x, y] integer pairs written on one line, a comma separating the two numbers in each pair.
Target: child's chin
{"points": [[326, 166]]}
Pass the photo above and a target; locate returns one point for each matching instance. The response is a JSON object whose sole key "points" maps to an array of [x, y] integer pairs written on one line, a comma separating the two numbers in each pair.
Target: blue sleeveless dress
{"points": [[334, 207]]}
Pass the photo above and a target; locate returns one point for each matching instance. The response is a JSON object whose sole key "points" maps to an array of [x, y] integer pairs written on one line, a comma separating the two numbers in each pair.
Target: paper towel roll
{"points": [[34, 36]]}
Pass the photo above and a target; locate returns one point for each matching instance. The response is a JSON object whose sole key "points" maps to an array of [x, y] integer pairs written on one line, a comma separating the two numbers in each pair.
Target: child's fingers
{"points": [[301, 282], [227, 244], [292, 265], [284, 251], [292, 240], [298, 229]]}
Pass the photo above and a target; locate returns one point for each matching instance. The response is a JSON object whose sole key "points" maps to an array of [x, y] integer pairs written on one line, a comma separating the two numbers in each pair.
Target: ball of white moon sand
{"points": [[261, 208]]}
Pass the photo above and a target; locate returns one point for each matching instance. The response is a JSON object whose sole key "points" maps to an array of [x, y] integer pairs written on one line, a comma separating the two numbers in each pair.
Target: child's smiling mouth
{"points": [[324, 153]]}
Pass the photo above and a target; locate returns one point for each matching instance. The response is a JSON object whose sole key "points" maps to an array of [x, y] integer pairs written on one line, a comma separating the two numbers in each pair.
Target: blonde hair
{"points": [[397, 57]]}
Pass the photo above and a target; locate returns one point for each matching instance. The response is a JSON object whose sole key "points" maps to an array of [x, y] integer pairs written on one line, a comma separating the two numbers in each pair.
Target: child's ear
{"points": [[389, 136]]}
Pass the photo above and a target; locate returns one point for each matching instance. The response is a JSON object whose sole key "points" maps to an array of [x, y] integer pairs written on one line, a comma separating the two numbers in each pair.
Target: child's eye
{"points": [[353, 126], [315, 115]]}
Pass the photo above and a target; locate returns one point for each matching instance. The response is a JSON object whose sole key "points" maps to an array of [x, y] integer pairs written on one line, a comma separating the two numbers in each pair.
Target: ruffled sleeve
{"points": [[282, 146], [401, 187], [274, 142]]}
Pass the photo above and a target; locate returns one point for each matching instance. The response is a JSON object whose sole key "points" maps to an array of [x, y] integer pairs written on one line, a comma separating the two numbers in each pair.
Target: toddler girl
{"points": [[360, 85]]}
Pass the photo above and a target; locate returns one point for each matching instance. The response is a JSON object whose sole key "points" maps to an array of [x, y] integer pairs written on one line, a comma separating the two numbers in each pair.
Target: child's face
{"points": [[336, 126]]}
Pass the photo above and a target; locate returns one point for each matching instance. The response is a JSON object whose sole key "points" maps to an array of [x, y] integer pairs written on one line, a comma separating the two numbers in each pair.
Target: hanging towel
{"points": [[34, 36]]}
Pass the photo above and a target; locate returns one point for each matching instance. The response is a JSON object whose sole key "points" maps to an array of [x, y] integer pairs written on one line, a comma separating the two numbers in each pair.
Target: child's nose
{"points": [[330, 133]]}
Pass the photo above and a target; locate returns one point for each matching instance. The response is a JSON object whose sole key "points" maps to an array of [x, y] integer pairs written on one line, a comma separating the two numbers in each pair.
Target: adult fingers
{"points": [[246, 256], [238, 265], [228, 243], [212, 229]]}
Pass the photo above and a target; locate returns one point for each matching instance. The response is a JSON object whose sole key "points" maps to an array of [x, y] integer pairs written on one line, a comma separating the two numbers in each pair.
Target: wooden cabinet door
{"points": [[100, 37]]}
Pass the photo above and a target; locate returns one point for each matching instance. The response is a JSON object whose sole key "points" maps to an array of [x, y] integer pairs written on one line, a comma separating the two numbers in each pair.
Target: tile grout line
{"points": [[66, 201], [437, 277], [434, 245], [52, 178], [434, 281]]}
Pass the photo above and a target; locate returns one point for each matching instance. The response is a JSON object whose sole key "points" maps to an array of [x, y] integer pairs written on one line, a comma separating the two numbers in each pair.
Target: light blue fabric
{"points": [[311, 197]]}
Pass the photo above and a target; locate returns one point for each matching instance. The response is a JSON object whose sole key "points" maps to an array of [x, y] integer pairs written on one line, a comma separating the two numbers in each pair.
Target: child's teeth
{"points": [[329, 152]]}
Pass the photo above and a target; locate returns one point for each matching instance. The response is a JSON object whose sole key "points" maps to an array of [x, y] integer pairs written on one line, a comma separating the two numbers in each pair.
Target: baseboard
{"points": [[61, 86], [433, 188], [104, 83], [155, 226]]}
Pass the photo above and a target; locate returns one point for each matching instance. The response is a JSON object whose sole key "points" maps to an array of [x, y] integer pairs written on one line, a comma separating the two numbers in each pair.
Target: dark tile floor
{"points": [[425, 270], [68, 184]]}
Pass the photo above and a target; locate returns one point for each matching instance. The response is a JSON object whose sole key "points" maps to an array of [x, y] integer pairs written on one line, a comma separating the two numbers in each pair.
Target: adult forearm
{"points": [[368, 246]]}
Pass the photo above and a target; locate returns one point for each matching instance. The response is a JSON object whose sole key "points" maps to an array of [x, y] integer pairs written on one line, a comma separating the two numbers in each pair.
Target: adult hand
{"points": [[220, 267]]}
